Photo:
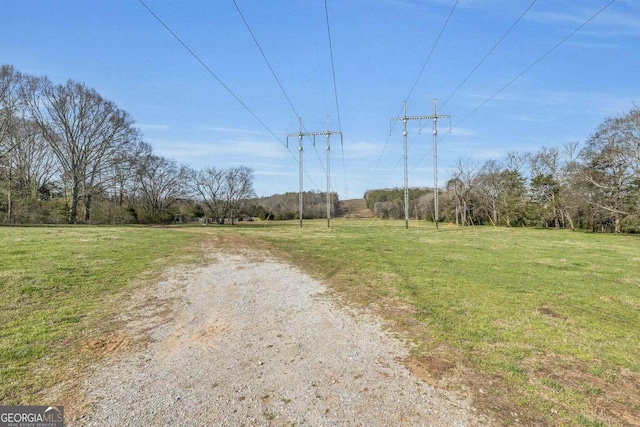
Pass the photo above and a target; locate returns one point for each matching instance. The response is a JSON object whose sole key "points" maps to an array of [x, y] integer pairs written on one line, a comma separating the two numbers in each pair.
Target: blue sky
{"points": [[379, 47]]}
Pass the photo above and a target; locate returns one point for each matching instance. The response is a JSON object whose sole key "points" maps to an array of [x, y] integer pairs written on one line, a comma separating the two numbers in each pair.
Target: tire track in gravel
{"points": [[253, 341]]}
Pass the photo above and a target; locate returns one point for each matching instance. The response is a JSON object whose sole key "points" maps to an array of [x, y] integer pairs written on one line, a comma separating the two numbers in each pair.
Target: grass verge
{"points": [[538, 326], [59, 285]]}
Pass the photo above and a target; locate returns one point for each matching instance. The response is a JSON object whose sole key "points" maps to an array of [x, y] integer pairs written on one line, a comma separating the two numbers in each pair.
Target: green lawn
{"points": [[545, 322], [539, 327], [57, 286]]}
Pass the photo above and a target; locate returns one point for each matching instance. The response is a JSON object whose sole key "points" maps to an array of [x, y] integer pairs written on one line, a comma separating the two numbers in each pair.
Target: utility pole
{"points": [[435, 118], [300, 135], [405, 119]]}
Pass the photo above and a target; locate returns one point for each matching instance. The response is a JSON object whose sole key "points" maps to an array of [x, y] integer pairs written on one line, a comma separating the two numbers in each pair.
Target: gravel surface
{"points": [[249, 340]]}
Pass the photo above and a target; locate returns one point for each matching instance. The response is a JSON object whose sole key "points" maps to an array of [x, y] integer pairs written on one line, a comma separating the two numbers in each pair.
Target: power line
{"points": [[335, 92], [446, 22], [489, 53], [224, 85], [284, 92], [266, 60], [275, 76], [424, 66], [228, 89], [536, 62], [333, 68], [405, 119]]}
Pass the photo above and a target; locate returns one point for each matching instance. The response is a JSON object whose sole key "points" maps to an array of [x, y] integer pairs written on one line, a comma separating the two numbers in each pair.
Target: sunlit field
{"points": [[541, 325], [59, 286], [536, 326]]}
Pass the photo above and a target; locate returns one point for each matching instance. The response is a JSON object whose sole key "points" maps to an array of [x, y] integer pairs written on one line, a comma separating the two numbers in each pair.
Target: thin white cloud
{"points": [[612, 22], [231, 130], [190, 150], [148, 126], [274, 173], [459, 132], [359, 149]]}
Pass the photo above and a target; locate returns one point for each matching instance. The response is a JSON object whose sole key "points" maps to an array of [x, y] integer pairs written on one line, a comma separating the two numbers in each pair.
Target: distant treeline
{"points": [[594, 187], [286, 206], [69, 155], [389, 203]]}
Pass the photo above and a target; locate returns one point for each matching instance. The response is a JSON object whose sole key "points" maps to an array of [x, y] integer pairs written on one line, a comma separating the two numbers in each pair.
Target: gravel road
{"points": [[249, 340]]}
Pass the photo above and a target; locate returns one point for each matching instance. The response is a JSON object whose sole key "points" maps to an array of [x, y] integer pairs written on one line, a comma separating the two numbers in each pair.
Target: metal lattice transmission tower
{"points": [[405, 119], [300, 136]]}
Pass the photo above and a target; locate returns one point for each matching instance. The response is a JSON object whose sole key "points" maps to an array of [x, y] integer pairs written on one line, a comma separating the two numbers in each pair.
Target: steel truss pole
{"points": [[435, 116], [404, 119], [328, 137], [406, 168], [300, 135]]}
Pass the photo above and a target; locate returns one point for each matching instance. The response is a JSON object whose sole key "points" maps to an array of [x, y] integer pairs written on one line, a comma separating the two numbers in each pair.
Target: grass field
{"points": [[58, 286], [539, 327], [546, 323]]}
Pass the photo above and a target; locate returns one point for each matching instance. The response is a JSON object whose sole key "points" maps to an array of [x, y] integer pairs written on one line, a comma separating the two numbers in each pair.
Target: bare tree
{"points": [[84, 130], [208, 185], [611, 167], [552, 172], [462, 185], [32, 160], [489, 184], [238, 187], [123, 171], [27, 164], [162, 183], [10, 100]]}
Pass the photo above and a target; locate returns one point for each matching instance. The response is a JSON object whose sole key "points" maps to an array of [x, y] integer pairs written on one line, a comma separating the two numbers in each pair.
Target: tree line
{"points": [[69, 155], [595, 187], [286, 206]]}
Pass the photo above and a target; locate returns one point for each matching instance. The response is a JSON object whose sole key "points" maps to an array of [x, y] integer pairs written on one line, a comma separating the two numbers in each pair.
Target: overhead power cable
{"points": [[206, 67], [333, 68], [531, 66], [273, 73], [424, 66], [489, 53], [284, 92], [335, 90], [415, 83], [536, 62]]}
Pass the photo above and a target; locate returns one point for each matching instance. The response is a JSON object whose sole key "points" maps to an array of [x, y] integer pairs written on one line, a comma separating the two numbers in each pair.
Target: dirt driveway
{"points": [[249, 340]]}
